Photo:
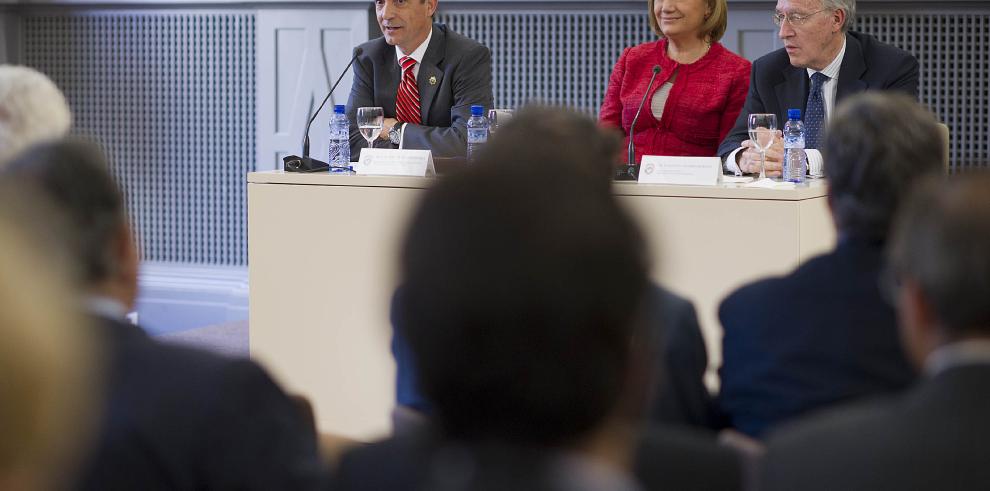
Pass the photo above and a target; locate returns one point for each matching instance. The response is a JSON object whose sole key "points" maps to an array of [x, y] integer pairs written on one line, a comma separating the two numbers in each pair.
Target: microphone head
{"points": [[656, 69], [358, 51]]}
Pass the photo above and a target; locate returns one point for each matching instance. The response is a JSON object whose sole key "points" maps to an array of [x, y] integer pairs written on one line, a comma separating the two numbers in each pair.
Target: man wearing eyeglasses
{"points": [[821, 63]]}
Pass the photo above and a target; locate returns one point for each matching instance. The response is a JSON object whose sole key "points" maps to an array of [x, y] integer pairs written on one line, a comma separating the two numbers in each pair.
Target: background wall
{"points": [[188, 97]]}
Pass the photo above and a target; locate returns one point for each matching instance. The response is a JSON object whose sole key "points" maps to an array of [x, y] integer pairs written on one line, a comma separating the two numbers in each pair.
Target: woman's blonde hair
{"points": [[715, 24], [46, 358]]}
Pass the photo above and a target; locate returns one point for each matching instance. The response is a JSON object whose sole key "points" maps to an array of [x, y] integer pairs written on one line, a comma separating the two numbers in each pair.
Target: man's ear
{"points": [[127, 259], [918, 322], [433, 6], [838, 18]]}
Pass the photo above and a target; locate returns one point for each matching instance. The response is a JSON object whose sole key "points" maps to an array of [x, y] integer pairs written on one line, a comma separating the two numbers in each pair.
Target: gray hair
{"points": [[32, 110], [942, 241], [877, 144], [847, 6]]}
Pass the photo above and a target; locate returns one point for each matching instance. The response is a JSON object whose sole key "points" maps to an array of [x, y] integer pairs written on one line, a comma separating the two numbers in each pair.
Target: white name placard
{"points": [[699, 171], [390, 162]]}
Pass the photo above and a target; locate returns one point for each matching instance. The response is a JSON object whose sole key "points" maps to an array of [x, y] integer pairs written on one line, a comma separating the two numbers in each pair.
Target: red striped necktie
{"points": [[407, 99]]}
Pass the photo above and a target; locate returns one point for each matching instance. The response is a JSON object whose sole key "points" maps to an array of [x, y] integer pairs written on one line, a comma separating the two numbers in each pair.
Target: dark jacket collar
{"points": [[430, 73]]}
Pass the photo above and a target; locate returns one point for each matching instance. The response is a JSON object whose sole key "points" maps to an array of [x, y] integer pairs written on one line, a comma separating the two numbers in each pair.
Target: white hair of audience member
{"points": [[32, 110]]}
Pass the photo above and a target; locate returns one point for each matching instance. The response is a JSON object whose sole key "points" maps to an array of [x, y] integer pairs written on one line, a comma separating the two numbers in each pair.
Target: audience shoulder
{"points": [[808, 450]]}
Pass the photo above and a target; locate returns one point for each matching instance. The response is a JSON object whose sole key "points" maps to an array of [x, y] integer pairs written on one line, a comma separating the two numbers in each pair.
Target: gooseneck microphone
{"points": [[305, 163], [631, 172]]}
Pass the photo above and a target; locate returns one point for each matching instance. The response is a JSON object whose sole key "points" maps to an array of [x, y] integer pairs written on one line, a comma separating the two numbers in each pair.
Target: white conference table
{"points": [[322, 252]]}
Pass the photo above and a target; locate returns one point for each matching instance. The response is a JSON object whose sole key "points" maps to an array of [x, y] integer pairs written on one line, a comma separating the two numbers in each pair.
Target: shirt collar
{"points": [[580, 473], [832, 70], [106, 307], [969, 352], [417, 53]]}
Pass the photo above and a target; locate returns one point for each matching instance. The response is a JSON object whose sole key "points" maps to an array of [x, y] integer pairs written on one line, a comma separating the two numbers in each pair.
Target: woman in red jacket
{"points": [[699, 91]]}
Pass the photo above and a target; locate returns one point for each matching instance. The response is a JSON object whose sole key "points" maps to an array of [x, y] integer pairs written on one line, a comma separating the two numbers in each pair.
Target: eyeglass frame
{"points": [[794, 19]]}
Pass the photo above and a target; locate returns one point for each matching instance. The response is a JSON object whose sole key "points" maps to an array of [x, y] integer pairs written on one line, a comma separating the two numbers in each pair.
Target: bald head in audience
{"points": [[32, 110]]}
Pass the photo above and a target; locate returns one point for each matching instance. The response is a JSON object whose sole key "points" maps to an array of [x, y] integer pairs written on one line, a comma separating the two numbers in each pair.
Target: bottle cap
{"points": [[339, 109], [477, 110], [793, 114]]}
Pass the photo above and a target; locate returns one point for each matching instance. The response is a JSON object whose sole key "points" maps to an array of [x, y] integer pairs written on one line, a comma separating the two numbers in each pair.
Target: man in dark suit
{"points": [[174, 417], [823, 334], [523, 297], [820, 65], [426, 78], [934, 436]]}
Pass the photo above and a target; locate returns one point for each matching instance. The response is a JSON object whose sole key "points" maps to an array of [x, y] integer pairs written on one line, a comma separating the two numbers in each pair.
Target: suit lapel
{"points": [[390, 80], [430, 74], [852, 70], [792, 92]]}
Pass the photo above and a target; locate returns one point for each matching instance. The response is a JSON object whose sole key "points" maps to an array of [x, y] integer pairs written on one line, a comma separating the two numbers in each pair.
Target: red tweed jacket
{"points": [[702, 106]]}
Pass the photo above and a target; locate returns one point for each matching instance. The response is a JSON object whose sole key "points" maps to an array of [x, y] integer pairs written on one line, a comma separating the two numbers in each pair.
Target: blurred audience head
{"points": [[32, 110], [73, 174], [524, 280], [46, 358], [877, 145], [940, 254], [558, 138]]}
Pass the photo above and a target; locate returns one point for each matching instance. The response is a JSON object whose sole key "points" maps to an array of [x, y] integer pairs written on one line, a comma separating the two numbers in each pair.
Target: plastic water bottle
{"points": [[340, 145], [795, 159], [477, 131]]}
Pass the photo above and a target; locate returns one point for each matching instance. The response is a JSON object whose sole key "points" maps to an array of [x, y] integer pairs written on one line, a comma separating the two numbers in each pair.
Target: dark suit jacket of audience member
{"points": [[455, 74], [666, 459], [933, 437], [777, 86], [816, 337], [179, 418], [681, 396]]}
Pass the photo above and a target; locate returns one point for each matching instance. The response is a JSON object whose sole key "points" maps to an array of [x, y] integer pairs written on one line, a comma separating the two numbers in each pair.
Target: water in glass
{"points": [[369, 122], [762, 128]]}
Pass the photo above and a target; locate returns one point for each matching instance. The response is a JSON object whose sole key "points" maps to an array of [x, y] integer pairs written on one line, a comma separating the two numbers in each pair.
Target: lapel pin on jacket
{"points": [[433, 80]]}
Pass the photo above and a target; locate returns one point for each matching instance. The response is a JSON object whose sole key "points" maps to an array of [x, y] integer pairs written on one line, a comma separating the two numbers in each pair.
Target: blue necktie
{"points": [[814, 114]]}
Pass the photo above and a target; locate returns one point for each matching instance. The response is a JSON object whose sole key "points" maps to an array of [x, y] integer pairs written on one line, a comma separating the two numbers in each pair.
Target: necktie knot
{"points": [[817, 80], [407, 62]]}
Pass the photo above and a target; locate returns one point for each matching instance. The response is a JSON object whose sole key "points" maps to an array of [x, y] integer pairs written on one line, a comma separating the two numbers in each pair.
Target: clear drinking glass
{"points": [[369, 121], [762, 128], [498, 117]]}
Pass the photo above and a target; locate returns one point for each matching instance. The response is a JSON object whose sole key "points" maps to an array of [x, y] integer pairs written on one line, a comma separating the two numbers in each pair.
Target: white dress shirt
{"points": [[970, 352], [417, 54]]}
